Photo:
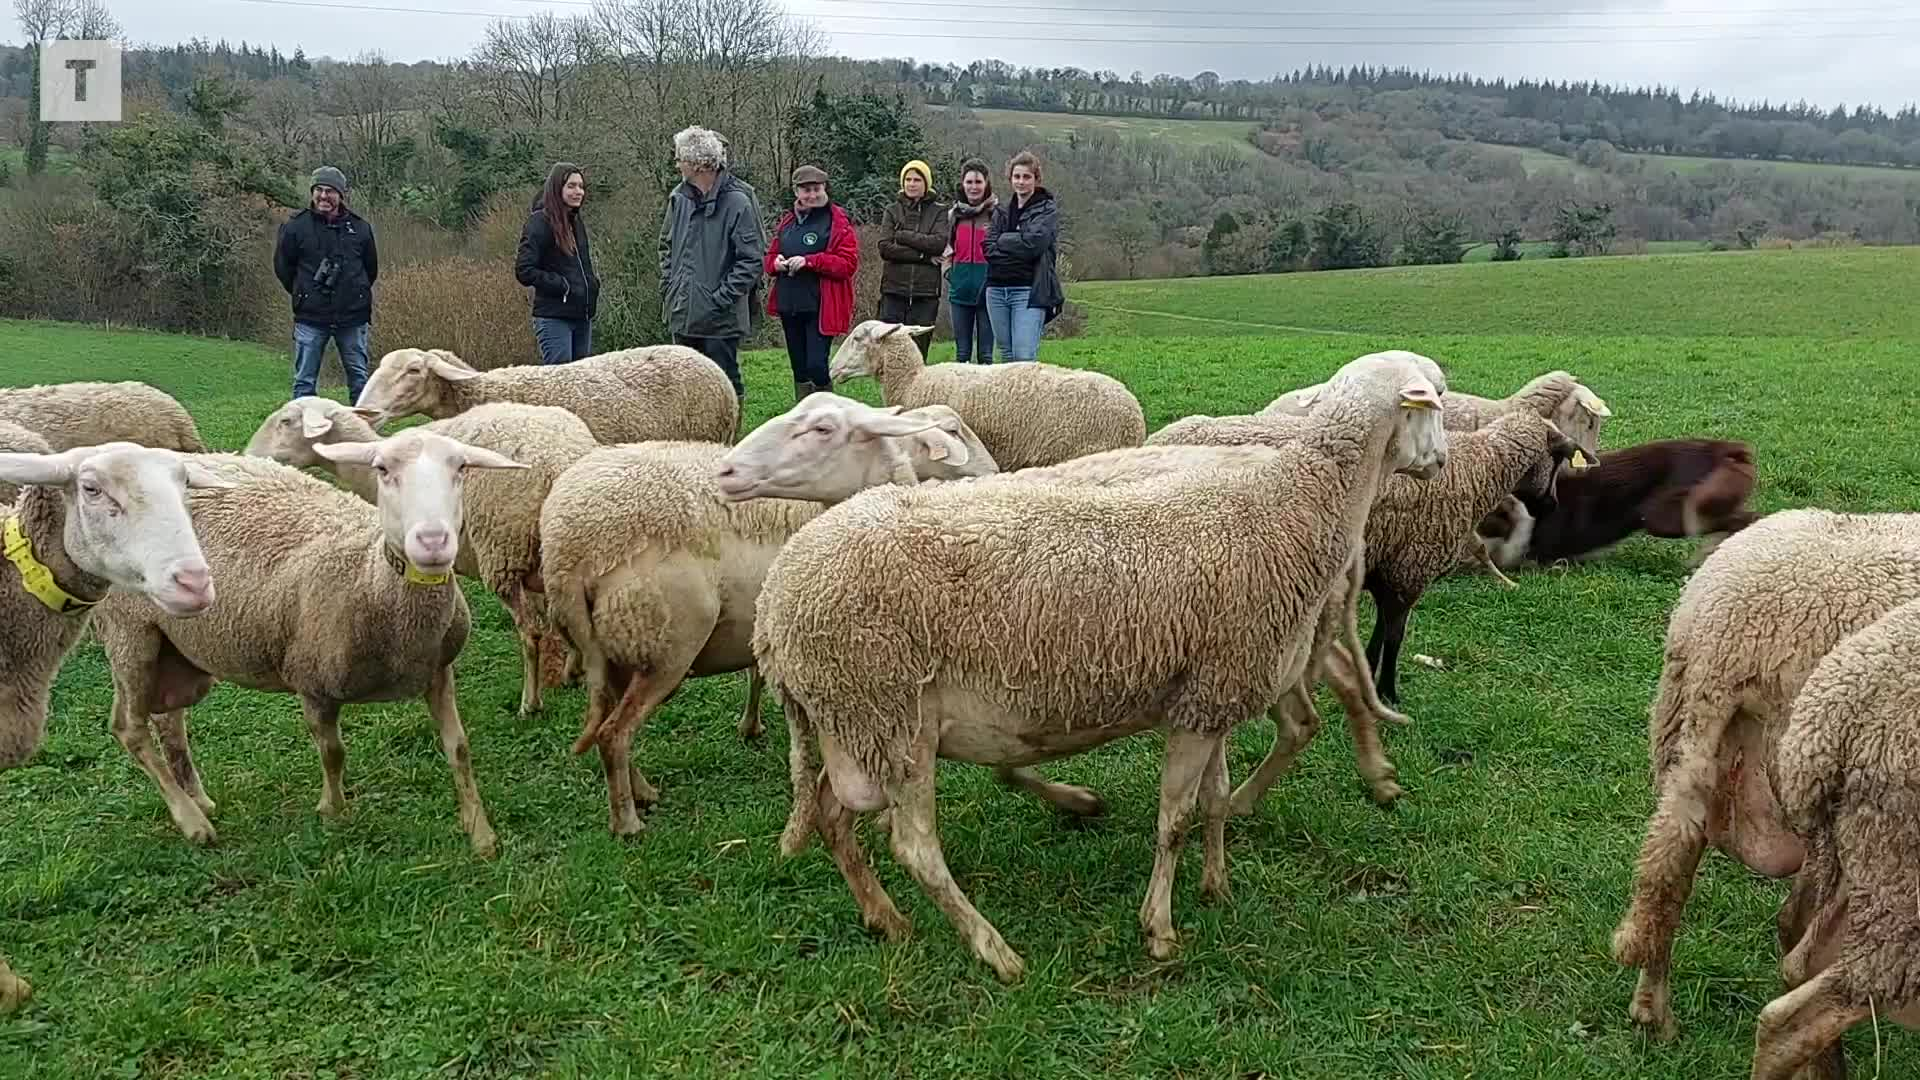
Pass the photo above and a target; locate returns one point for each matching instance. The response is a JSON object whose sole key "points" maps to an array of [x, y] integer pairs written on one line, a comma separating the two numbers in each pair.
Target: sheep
{"points": [[1751, 623], [329, 599], [1848, 783], [83, 521], [654, 552], [1008, 621], [1671, 488], [654, 392], [500, 542], [76, 414], [1026, 413], [1557, 395]]}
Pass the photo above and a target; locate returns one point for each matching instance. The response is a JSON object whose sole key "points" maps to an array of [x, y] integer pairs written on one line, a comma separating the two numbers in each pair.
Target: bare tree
{"points": [[531, 66], [40, 20], [283, 111], [369, 98]]}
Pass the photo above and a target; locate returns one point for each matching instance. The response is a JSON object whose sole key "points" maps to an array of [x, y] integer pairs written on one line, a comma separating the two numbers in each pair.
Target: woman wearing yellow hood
{"points": [[913, 235]]}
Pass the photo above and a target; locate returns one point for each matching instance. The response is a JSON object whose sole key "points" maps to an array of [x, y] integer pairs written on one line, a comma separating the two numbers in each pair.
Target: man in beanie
{"points": [[326, 261], [913, 235]]}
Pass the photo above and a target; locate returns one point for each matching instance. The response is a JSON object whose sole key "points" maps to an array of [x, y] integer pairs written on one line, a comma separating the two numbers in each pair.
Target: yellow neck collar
{"points": [[35, 575], [412, 574]]}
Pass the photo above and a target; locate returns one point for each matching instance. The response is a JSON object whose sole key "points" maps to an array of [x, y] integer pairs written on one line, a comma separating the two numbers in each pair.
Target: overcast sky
{"points": [[1846, 51]]}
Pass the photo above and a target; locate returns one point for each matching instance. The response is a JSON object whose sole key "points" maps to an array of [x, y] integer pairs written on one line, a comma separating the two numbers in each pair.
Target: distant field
{"points": [[1461, 935], [1822, 293], [1192, 133], [58, 160]]}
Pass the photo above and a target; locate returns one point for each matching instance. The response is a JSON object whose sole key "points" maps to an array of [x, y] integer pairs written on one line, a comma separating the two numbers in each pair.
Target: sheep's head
{"points": [[1419, 443], [1539, 488], [420, 477], [127, 519], [874, 346], [1579, 417], [290, 432], [828, 448], [409, 382]]}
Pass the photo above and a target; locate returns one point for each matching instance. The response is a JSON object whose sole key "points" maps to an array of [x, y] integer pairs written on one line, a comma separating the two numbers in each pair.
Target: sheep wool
{"points": [[1026, 413], [634, 395], [1751, 624], [91, 413]]}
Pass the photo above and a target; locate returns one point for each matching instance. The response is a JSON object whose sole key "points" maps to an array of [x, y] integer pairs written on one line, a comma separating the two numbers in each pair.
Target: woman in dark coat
{"points": [[1023, 280], [557, 265]]}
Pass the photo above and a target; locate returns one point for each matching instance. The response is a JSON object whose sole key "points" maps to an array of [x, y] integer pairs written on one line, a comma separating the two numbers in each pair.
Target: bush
{"points": [[470, 306]]}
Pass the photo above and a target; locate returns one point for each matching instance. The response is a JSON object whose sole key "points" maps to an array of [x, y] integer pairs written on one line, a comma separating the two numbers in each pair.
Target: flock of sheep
{"points": [[1000, 566]]}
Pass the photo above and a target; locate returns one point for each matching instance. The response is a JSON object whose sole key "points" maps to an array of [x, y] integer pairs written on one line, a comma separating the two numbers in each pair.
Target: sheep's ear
{"points": [[943, 447], [354, 453], [314, 423], [371, 416], [891, 330], [50, 470], [480, 457], [449, 367], [1591, 402], [199, 476], [1419, 395], [874, 422]]}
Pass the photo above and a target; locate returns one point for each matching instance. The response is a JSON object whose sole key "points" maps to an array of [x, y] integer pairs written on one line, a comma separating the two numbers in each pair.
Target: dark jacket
{"points": [[711, 249], [1022, 250], [305, 241], [564, 286], [913, 233]]}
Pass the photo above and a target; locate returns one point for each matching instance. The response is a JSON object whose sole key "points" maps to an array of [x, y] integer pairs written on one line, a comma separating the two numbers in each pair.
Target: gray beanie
{"points": [[331, 177]]}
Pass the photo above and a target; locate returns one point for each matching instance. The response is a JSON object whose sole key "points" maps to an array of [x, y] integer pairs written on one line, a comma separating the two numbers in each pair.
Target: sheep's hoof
{"points": [[1080, 802], [751, 727], [1242, 803], [1386, 791], [1163, 946], [1004, 961], [626, 825], [889, 924], [485, 844], [329, 808], [14, 992], [1215, 888], [206, 805], [199, 833], [1395, 716], [1653, 1017]]}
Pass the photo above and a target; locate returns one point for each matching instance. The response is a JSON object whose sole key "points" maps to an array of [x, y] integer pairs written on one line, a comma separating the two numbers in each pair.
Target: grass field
{"points": [[1461, 934]]}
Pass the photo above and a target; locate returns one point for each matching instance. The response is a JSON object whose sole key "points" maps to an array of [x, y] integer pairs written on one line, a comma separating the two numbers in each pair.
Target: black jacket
{"points": [[305, 241], [1022, 249], [564, 286]]}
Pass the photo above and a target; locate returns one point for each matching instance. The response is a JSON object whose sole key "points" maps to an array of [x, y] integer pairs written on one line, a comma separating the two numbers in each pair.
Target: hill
{"points": [[1460, 935]]}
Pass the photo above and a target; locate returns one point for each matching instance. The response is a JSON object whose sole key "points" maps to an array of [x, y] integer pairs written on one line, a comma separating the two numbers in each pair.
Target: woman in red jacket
{"points": [[813, 256]]}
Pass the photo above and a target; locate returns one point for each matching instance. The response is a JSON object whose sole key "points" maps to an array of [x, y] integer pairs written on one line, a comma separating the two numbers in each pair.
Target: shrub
{"points": [[471, 306]]}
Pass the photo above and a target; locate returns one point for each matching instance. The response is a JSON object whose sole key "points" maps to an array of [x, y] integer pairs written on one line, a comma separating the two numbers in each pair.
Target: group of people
{"points": [[993, 258]]}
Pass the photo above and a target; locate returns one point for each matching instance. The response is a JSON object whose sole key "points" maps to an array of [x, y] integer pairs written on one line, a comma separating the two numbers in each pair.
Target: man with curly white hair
{"points": [[711, 246]]}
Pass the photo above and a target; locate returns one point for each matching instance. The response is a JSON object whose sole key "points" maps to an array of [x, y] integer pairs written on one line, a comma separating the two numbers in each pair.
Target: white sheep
{"points": [[1008, 622], [84, 521], [500, 537], [75, 414], [654, 392], [1577, 411], [1750, 625], [327, 598], [1847, 773], [1026, 413], [653, 555]]}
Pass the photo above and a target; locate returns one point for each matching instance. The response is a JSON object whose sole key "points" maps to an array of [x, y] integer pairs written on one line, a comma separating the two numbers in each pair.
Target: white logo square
{"points": [[80, 81]]}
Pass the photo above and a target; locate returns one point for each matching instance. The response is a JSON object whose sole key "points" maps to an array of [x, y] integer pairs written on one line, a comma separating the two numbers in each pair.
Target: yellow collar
{"points": [[35, 575], [413, 574]]}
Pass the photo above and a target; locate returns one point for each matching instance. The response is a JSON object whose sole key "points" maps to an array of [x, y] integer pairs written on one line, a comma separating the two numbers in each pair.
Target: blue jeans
{"points": [[562, 340], [1016, 326], [970, 325], [310, 346]]}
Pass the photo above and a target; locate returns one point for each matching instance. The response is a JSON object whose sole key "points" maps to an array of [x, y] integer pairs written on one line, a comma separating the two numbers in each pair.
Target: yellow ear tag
{"points": [[1579, 460], [1416, 403]]}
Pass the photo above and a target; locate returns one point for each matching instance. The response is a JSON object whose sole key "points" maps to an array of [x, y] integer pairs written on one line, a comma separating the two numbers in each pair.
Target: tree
{"points": [[1583, 230], [1506, 248], [40, 20], [861, 139], [1289, 247], [1345, 237], [1434, 238], [1133, 234]]}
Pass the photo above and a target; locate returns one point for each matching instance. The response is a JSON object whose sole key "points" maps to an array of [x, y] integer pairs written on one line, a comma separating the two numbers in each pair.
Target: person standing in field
{"points": [[966, 264], [912, 237], [711, 247], [325, 258], [813, 256], [555, 262], [1023, 283]]}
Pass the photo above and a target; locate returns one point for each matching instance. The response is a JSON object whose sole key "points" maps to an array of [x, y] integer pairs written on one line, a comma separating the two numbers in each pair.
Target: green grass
{"points": [[1462, 934], [1540, 249]]}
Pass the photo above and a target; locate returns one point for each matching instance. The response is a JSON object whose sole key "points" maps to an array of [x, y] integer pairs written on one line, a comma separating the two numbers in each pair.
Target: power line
{"points": [[1344, 13], [339, 5]]}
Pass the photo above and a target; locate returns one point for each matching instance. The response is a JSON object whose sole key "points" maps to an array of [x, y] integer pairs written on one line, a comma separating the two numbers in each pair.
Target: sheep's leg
{"points": [[1188, 754], [1663, 879], [917, 845], [1295, 723], [1485, 558], [1362, 728], [1389, 630], [1353, 654], [836, 830], [14, 990], [453, 742], [1797, 1026], [526, 624], [172, 728], [130, 727], [616, 748], [323, 723], [1214, 801], [1075, 800], [803, 815], [751, 725]]}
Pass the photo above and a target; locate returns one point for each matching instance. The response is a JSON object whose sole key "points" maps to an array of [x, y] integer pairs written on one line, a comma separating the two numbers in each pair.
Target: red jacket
{"points": [[836, 267]]}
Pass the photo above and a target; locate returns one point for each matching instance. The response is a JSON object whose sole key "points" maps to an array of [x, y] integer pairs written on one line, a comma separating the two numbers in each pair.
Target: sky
{"points": [[1848, 51]]}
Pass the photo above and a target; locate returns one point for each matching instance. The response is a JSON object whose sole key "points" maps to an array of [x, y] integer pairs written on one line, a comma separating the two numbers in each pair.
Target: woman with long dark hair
{"points": [[966, 263], [555, 262]]}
